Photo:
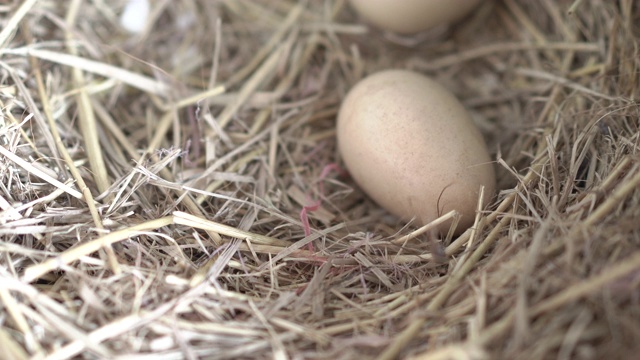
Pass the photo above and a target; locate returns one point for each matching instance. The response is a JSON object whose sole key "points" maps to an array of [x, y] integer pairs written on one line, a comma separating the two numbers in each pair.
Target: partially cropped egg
{"points": [[412, 16], [413, 148]]}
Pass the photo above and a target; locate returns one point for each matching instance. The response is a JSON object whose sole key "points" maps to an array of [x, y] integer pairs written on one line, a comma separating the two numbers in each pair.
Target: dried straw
{"points": [[173, 194]]}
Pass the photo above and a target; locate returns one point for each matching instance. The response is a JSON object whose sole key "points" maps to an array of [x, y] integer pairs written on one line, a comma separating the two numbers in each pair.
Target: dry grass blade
{"points": [[10, 347], [130, 78], [488, 50], [251, 85], [14, 22], [39, 173], [223, 225], [86, 115], [35, 271], [203, 224], [425, 228], [577, 291]]}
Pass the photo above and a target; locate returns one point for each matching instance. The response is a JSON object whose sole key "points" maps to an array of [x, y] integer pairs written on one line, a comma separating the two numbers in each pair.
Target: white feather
{"points": [[135, 14]]}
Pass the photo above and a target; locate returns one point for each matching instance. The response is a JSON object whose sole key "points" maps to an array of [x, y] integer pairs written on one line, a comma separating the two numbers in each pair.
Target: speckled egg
{"points": [[413, 148], [412, 16]]}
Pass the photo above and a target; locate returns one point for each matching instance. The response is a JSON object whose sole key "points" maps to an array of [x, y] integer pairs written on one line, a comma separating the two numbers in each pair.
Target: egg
{"points": [[412, 16], [413, 148]]}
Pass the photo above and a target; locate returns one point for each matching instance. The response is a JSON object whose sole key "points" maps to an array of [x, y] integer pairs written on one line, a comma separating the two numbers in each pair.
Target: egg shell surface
{"points": [[412, 16], [413, 148]]}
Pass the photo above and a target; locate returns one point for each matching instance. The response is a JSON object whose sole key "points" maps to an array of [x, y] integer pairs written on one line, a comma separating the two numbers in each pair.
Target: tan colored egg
{"points": [[413, 148], [412, 16]]}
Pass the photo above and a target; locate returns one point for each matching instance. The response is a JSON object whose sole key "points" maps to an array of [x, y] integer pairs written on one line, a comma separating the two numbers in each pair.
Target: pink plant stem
{"points": [[315, 205]]}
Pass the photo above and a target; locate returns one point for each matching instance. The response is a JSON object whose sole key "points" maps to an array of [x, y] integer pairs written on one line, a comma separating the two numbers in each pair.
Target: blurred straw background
{"points": [[176, 193]]}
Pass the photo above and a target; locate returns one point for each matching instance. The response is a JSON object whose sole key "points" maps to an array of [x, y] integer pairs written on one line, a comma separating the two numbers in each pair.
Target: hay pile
{"points": [[178, 193]]}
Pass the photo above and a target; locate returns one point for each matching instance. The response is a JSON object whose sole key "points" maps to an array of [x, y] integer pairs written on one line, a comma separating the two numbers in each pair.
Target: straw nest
{"points": [[177, 193]]}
